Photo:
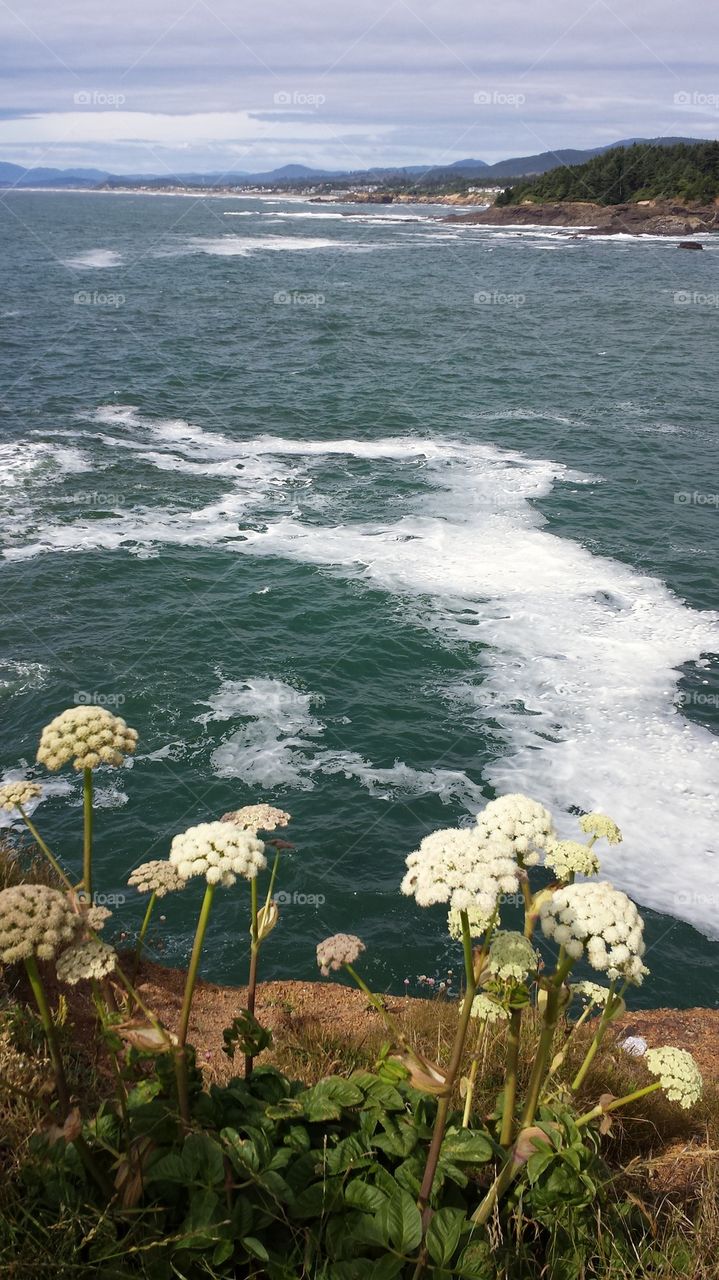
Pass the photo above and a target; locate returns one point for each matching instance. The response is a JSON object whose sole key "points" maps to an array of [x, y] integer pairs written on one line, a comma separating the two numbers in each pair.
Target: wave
{"points": [[95, 259]]}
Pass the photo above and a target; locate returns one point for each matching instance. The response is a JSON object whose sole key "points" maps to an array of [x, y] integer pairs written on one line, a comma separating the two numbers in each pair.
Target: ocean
{"points": [[373, 517]]}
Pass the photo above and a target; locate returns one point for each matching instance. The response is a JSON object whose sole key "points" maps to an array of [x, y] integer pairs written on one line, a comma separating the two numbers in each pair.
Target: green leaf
{"points": [[351, 1153], [467, 1146], [536, 1164], [202, 1160], [402, 1221], [377, 1091], [168, 1168], [443, 1234], [319, 1199], [223, 1252], [362, 1195], [327, 1098], [256, 1248], [246, 1034], [242, 1151], [476, 1261]]}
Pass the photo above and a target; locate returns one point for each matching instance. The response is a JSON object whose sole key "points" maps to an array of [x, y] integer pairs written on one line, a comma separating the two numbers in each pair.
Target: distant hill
{"points": [[421, 177], [686, 171]]}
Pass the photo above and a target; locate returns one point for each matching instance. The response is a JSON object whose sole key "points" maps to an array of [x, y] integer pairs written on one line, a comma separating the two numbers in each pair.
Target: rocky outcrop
{"points": [[654, 218]]}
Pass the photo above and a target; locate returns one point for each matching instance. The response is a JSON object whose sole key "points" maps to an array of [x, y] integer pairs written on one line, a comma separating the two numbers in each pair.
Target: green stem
{"points": [[141, 934], [510, 1084], [254, 957], [273, 877], [41, 845], [600, 1110], [597, 1040], [183, 1086], [87, 834], [470, 1092]]}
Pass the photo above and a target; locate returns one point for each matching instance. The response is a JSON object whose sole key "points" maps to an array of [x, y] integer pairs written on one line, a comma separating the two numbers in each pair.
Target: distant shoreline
{"points": [[652, 218]]}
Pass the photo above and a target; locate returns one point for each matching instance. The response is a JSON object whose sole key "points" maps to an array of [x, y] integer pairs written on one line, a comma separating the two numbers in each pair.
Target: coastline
{"points": [[653, 218]]}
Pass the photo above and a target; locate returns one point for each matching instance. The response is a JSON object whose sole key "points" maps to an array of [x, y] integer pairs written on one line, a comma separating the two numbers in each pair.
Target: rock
{"points": [[689, 244]]}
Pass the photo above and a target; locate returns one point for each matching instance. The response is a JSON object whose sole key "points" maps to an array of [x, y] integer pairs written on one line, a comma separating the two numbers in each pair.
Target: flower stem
{"points": [[470, 1092], [510, 1080], [254, 956], [87, 834], [600, 1110], [180, 1056], [141, 934], [598, 1037], [41, 845]]}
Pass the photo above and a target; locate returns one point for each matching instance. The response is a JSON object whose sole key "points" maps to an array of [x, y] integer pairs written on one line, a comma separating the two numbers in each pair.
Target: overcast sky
{"points": [[155, 86]]}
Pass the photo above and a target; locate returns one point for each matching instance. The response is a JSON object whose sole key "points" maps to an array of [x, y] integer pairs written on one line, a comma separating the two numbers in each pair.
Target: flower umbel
{"points": [[678, 1073], [479, 922], [524, 822], [569, 857], [219, 852], [591, 993], [511, 957], [158, 877], [599, 825], [13, 794], [35, 921], [341, 948], [91, 959], [88, 736], [488, 1010], [257, 817], [601, 918], [463, 868]]}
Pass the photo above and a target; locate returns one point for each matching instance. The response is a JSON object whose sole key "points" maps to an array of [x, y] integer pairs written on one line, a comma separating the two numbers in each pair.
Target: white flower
{"points": [[15, 794], [511, 955], [678, 1072], [591, 993], [341, 948], [35, 921], [487, 1010], [598, 824], [569, 857], [158, 877], [218, 851], [95, 917], [89, 736], [257, 817], [462, 868], [91, 959], [602, 919], [524, 822], [478, 920]]}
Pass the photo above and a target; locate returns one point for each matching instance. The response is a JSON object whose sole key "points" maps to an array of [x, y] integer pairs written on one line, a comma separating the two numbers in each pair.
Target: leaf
{"points": [[351, 1153], [223, 1252], [378, 1092], [256, 1248], [443, 1234], [242, 1151], [318, 1199], [327, 1098], [467, 1146], [202, 1160], [246, 1034], [168, 1168], [402, 1221], [362, 1195]]}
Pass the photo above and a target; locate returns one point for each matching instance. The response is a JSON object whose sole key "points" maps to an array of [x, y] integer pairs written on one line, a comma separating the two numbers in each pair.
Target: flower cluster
{"points": [[35, 921], [477, 919], [257, 817], [158, 877], [569, 858], [591, 992], [463, 868], [95, 917], [91, 959], [524, 822], [15, 794], [487, 1010], [511, 956], [219, 852], [341, 948], [599, 825], [602, 919], [89, 736], [678, 1073]]}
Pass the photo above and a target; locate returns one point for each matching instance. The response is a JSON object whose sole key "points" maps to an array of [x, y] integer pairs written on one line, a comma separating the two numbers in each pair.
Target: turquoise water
{"points": [[372, 517]]}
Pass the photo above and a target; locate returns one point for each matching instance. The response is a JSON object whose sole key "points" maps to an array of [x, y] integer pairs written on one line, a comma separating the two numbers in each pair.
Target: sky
{"points": [[164, 86]]}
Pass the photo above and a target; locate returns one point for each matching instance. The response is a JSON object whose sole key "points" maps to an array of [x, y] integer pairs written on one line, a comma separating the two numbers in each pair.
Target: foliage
{"points": [[685, 171]]}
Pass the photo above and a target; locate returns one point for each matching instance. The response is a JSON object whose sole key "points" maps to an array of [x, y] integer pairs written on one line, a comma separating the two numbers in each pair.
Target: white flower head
{"points": [[341, 948], [218, 851], [488, 1010], [679, 1074], [35, 921], [591, 993], [14, 794], [597, 917], [87, 736], [95, 917], [478, 920], [599, 825], [524, 822], [569, 857], [511, 956], [158, 876], [83, 960], [257, 817], [463, 868]]}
